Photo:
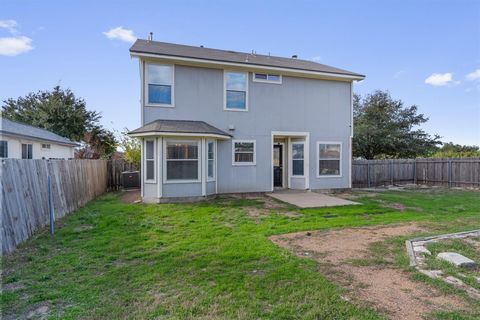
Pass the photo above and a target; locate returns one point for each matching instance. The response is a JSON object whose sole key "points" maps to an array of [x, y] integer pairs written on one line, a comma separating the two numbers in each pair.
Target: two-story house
{"points": [[219, 121]]}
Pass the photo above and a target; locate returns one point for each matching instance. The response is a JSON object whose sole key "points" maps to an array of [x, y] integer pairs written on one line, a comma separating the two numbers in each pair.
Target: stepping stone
{"points": [[456, 259]]}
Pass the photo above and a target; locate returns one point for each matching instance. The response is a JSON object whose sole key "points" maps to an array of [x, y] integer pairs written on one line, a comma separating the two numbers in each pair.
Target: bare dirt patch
{"points": [[270, 206], [131, 196], [390, 290]]}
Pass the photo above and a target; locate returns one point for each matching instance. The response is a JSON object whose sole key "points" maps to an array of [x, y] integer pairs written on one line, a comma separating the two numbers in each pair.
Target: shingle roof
{"points": [[9, 127], [184, 51], [179, 126]]}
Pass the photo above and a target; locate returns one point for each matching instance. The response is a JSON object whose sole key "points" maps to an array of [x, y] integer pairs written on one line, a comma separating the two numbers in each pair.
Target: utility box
{"points": [[131, 179]]}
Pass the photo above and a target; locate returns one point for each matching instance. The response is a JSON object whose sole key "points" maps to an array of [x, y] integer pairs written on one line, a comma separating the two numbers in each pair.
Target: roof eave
{"points": [[340, 76], [64, 143], [178, 134]]}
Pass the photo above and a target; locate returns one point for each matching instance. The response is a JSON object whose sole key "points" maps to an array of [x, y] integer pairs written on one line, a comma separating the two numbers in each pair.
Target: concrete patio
{"points": [[308, 199]]}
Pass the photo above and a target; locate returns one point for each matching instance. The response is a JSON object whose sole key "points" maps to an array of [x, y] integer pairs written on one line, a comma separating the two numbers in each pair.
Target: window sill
{"points": [[150, 181], [293, 176], [329, 176], [160, 105], [236, 164], [181, 181], [235, 110]]}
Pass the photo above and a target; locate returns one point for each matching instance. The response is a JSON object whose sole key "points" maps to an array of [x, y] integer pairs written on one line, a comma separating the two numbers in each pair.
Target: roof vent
{"points": [[150, 37], [294, 56]]}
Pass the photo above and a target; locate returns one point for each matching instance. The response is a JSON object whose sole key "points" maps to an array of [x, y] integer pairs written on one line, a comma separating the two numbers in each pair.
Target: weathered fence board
{"points": [[115, 169], [448, 172], [24, 194]]}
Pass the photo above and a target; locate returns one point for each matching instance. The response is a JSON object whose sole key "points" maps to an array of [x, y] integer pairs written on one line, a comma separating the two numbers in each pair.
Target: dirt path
{"points": [[387, 288]]}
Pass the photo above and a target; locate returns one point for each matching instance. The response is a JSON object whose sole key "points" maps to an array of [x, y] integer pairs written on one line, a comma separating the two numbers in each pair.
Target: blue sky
{"points": [[426, 53]]}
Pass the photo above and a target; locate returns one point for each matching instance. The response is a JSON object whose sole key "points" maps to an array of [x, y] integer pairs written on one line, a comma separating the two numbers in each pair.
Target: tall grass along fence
{"points": [[449, 172], [25, 196]]}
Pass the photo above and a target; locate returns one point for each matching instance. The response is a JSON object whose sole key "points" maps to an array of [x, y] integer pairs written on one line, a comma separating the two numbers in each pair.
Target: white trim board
{"points": [[290, 71]]}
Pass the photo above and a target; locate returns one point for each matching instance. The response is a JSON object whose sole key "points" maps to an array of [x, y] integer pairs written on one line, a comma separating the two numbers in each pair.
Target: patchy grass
{"points": [[468, 247], [111, 260]]}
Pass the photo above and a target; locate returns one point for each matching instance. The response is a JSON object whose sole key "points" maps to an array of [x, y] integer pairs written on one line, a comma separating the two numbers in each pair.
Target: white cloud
{"points": [[440, 79], [399, 74], [119, 33], [316, 59], [12, 46], [472, 76], [10, 25]]}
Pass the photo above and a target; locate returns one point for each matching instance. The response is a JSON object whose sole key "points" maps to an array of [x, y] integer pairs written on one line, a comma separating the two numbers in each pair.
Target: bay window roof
{"points": [[164, 127]]}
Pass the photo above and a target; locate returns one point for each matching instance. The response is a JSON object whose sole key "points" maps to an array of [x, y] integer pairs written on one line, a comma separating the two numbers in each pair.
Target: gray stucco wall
{"points": [[320, 107]]}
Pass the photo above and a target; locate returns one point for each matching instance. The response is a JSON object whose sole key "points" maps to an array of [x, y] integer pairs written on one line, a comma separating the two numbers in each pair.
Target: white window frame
{"points": [[254, 79], [145, 85], [44, 146], [214, 159], [154, 159], [225, 91], [199, 160], [304, 169], [234, 163], [340, 159]]}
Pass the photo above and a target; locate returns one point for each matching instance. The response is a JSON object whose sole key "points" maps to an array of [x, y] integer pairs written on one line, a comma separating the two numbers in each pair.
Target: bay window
{"points": [[182, 161], [329, 159], [150, 160], [211, 160]]}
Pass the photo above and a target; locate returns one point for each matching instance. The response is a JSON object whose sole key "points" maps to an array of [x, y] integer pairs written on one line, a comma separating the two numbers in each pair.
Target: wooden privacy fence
{"points": [[115, 169], [451, 172], [24, 202]]}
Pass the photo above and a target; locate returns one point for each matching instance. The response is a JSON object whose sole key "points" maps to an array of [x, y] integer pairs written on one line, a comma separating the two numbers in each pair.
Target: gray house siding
{"points": [[320, 107]]}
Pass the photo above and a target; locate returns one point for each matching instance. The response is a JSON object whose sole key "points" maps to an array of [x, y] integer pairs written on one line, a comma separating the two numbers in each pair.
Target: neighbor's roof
{"points": [[173, 127], [12, 128], [184, 51]]}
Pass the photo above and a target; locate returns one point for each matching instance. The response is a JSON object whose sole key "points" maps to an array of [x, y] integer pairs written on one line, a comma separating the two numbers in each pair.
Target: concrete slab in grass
{"points": [[456, 259], [309, 199]]}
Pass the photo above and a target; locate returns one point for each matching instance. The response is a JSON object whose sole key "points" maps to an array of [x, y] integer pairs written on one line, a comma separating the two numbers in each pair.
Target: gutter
{"points": [[64, 143]]}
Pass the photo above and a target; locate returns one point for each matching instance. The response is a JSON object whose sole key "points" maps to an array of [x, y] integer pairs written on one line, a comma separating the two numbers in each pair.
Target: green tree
{"points": [[58, 111], [451, 150], [384, 128], [130, 147], [61, 112]]}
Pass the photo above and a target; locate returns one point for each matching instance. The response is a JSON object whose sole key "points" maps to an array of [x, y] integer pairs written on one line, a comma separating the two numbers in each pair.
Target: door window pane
{"points": [[298, 158]]}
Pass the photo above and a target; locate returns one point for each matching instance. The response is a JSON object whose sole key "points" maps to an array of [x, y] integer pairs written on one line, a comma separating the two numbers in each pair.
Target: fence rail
{"points": [[451, 172]]}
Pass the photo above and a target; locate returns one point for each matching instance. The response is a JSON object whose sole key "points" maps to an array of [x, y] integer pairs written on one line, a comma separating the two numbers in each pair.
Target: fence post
{"points": [[368, 173], [449, 173], [415, 171], [391, 172], [50, 206]]}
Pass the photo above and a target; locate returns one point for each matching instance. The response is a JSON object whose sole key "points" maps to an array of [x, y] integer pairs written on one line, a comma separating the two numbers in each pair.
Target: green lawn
{"points": [[213, 260]]}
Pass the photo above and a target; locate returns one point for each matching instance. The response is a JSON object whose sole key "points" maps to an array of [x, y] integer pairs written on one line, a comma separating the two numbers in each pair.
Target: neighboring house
{"points": [[22, 141], [216, 121]]}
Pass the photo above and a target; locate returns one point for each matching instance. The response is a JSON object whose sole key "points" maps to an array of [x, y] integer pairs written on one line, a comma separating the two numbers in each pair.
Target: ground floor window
{"points": [[211, 160], [243, 152], [298, 160], [3, 149], [182, 162], [27, 151], [150, 160], [329, 159]]}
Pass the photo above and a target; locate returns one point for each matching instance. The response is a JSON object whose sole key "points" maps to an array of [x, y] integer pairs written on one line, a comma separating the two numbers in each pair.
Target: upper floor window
{"points": [[267, 77], [159, 85], [329, 159], [27, 151], [3, 149], [236, 91]]}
